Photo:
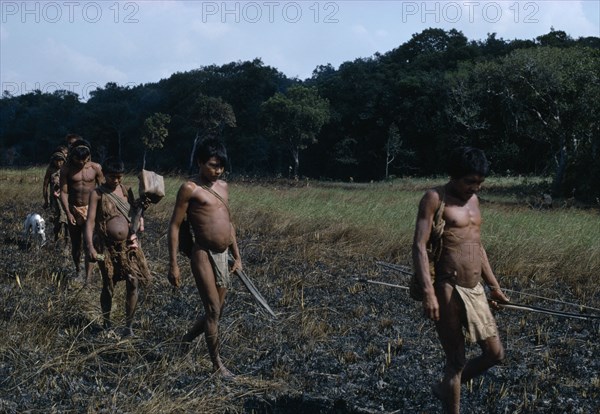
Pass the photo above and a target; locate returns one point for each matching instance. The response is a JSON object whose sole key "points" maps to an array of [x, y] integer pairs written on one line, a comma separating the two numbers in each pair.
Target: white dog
{"points": [[35, 226]]}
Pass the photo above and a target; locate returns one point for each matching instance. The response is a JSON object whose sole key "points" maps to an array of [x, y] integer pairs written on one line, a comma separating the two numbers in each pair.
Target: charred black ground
{"points": [[337, 345]]}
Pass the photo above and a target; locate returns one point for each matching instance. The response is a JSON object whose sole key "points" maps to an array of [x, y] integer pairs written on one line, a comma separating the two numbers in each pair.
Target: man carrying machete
{"points": [[205, 201]]}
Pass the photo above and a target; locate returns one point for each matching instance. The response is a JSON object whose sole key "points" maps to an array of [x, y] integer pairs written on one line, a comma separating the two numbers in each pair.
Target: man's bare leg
{"points": [[131, 299], [89, 270], [75, 233], [195, 331], [198, 327], [212, 299], [451, 337], [492, 354], [106, 304]]}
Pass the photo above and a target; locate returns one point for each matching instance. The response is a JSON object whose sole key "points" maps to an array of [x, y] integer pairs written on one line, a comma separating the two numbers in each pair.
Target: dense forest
{"points": [[532, 105]]}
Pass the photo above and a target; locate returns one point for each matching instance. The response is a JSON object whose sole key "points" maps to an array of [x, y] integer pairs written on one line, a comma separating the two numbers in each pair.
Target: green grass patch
{"points": [[376, 220]]}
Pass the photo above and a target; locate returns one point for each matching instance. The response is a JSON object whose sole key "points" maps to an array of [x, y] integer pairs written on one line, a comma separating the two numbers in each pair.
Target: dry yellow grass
{"points": [[304, 246]]}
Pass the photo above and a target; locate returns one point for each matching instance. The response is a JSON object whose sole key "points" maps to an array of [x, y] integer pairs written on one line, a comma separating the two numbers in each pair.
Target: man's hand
{"points": [[174, 276], [236, 265], [497, 297], [92, 255], [431, 307], [71, 219]]}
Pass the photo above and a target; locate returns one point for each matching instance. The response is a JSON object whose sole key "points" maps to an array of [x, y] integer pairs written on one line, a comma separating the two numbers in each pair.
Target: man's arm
{"points": [[179, 211], [45, 191], [235, 251], [427, 208], [490, 279], [64, 194], [90, 223], [99, 174]]}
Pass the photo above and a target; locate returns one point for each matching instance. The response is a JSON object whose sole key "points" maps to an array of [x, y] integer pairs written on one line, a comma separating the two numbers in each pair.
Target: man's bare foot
{"points": [[224, 373], [185, 344], [128, 333]]}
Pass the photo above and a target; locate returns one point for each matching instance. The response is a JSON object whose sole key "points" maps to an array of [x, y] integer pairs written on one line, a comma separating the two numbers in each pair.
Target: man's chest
{"points": [[465, 216]]}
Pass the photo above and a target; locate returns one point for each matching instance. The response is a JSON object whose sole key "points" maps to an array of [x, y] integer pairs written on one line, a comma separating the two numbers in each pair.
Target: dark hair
{"points": [[69, 137], [467, 160], [57, 156], [80, 149], [113, 166], [211, 147]]}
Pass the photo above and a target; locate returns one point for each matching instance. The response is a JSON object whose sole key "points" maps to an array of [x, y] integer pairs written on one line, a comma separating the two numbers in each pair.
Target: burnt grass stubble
{"points": [[337, 345]]}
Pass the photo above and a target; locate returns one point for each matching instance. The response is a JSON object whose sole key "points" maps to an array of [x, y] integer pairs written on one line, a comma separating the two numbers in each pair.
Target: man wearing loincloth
{"points": [[79, 176], [110, 242], [51, 192], [205, 201], [456, 300]]}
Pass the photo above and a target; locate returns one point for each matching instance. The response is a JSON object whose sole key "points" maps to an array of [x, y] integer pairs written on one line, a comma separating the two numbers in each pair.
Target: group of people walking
{"points": [[448, 257], [91, 201]]}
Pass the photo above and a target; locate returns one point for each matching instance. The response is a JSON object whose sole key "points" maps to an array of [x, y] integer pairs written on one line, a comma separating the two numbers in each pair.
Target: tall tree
{"points": [[112, 115], [543, 99], [393, 146], [296, 118], [154, 132], [210, 116]]}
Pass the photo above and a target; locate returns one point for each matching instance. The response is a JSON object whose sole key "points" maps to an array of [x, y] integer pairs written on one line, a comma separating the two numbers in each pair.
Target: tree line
{"points": [[532, 105]]}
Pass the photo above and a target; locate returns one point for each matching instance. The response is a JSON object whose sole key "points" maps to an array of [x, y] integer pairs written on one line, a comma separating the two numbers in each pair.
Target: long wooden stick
{"points": [[375, 282], [404, 270], [516, 306], [537, 309]]}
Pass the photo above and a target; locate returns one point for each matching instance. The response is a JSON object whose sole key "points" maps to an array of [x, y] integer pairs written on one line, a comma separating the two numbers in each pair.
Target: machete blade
{"points": [[254, 291]]}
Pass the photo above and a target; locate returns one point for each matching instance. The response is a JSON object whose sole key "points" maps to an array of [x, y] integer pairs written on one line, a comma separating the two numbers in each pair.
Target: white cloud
{"points": [[360, 30], [210, 30], [571, 19], [172, 36], [82, 67]]}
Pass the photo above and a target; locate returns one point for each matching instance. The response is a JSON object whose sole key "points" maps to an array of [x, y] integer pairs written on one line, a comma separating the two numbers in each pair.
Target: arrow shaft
{"points": [[537, 309]]}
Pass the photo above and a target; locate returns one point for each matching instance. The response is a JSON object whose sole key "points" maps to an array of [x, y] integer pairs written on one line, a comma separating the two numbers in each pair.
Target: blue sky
{"points": [[80, 45]]}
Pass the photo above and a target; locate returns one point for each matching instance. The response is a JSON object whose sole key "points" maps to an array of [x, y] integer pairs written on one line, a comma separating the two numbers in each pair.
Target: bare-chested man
{"points": [[456, 299], [51, 192], [119, 258], [79, 176], [205, 201]]}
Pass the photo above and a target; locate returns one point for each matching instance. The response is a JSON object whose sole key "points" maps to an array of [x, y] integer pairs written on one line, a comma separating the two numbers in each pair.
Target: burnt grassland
{"points": [[337, 345]]}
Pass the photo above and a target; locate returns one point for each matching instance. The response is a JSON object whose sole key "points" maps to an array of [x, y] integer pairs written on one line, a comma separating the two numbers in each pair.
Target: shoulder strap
{"points": [[437, 227], [440, 210], [121, 205], [221, 199]]}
